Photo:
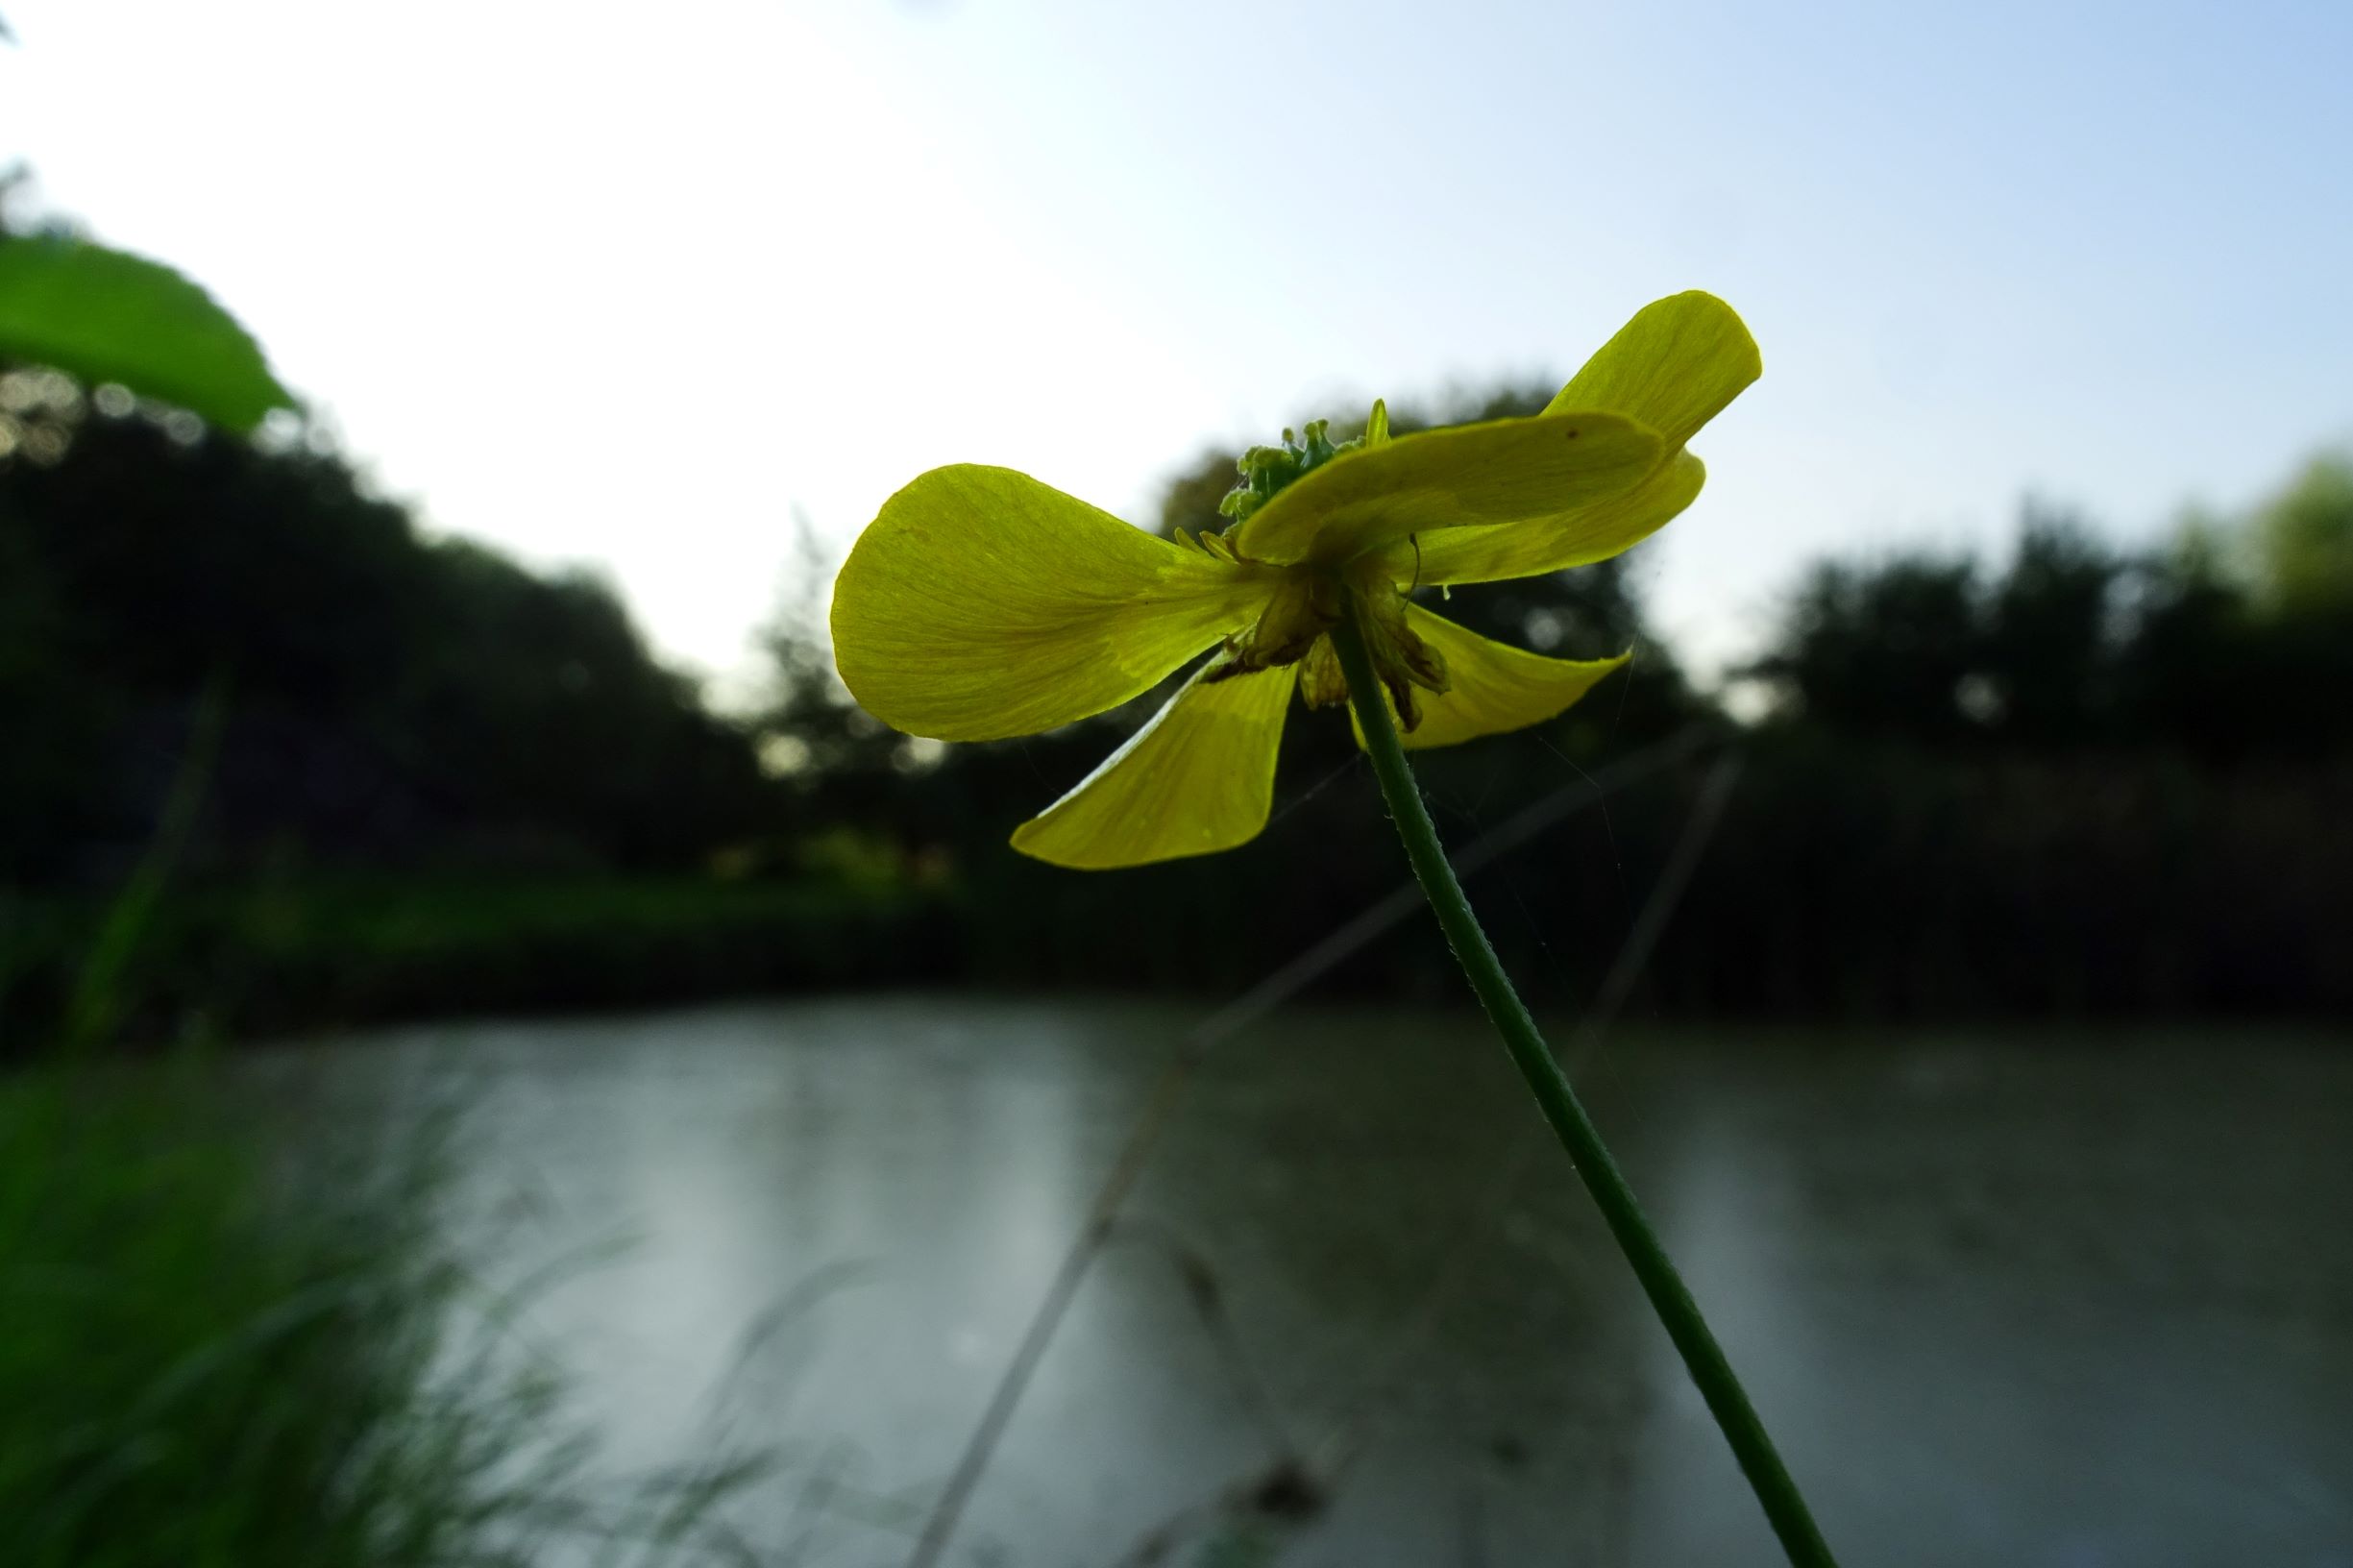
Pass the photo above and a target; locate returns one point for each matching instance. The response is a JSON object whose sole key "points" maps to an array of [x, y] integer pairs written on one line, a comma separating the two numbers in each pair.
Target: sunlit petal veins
{"points": [[1673, 367], [982, 603], [1504, 472], [1492, 687], [1578, 537], [1198, 779]]}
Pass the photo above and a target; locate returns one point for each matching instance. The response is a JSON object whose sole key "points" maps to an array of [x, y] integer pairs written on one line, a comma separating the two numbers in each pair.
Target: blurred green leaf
{"points": [[105, 316]]}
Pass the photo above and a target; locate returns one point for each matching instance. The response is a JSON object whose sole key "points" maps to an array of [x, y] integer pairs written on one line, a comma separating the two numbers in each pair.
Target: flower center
{"points": [[1266, 470], [1296, 626]]}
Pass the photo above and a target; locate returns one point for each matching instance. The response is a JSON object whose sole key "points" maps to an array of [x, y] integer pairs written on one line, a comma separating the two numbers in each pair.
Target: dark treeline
{"points": [[391, 699], [2077, 781], [434, 779], [2223, 647]]}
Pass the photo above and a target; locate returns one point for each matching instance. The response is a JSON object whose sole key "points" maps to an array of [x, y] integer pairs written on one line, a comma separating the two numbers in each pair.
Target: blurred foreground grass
{"points": [[212, 1358]]}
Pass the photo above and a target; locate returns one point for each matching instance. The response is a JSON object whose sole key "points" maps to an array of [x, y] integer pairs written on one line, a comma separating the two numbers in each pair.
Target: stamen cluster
{"points": [[1266, 470]]}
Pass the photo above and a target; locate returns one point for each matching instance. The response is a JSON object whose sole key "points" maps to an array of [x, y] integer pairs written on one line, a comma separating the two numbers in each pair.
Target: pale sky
{"points": [[627, 285]]}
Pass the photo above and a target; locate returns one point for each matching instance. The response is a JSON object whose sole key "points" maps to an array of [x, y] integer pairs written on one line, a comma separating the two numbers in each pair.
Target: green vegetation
{"points": [[110, 317], [105, 317], [242, 959], [213, 1362], [193, 1377]]}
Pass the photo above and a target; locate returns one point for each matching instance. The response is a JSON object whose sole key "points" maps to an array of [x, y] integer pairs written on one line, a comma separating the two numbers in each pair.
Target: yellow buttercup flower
{"points": [[982, 604]]}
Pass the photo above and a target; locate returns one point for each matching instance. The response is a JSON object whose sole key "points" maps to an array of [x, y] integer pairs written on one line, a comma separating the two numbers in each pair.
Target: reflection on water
{"points": [[2025, 1302]]}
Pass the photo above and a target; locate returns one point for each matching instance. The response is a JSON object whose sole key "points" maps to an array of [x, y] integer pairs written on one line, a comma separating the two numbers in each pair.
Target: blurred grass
{"points": [[195, 1369], [211, 1356], [225, 1349]]}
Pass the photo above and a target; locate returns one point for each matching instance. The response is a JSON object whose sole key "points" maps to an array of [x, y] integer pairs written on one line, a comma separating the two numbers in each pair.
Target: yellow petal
{"points": [[1575, 538], [1503, 472], [1198, 779], [982, 603], [1673, 367], [1492, 687]]}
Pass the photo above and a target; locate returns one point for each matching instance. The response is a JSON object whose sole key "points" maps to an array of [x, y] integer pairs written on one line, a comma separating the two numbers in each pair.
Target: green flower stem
{"points": [[1670, 1298]]}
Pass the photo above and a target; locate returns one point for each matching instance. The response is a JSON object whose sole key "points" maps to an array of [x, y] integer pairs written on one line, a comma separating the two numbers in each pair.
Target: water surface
{"points": [[2039, 1300]]}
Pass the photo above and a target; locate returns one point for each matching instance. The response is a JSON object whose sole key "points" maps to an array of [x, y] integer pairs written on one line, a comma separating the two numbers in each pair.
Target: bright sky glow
{"points": [[628, 284]]}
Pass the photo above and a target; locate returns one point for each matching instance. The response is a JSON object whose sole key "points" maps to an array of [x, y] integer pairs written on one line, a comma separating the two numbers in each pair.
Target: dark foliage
{"points": [[2075, 647], [394, 700]]}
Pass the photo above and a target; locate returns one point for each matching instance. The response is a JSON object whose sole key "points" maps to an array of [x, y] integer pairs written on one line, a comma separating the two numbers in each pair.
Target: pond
{"points": [[2017, 1299]]}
